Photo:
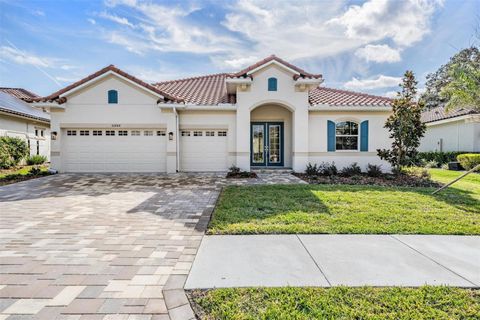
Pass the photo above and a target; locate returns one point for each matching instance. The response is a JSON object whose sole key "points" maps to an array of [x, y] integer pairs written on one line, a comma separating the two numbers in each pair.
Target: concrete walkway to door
{"points": [[331, 260]]}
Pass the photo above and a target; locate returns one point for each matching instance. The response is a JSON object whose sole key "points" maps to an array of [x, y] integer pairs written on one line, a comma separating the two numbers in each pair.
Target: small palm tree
{"points": [[463, 91]]}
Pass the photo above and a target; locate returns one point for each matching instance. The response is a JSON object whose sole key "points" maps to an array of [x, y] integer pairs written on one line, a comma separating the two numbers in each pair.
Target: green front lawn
{"points": [[350, 209], [338, 303]]}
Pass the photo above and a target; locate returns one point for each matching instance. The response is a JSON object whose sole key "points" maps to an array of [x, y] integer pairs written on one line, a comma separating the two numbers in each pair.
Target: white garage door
{"points": [[119, 150], [203, 150]]}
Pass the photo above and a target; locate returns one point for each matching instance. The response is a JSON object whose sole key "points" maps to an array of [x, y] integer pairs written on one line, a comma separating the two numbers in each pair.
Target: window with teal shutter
{"points": [[272, 84], [364, 136], [112, 96], [330, 136]]}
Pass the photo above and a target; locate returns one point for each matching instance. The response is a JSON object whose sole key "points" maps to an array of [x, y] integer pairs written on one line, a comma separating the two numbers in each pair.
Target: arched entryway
{"points": [[271, 136]]}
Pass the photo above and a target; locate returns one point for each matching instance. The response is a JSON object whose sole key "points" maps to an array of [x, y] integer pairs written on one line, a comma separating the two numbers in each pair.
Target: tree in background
{"points": [[458, 68], [405, 125], [463, 90]]}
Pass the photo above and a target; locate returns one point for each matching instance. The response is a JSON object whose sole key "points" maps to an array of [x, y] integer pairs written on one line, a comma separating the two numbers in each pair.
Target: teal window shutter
{"points": [[272, 84], [364, 136], [331, 135], [112, 96]]}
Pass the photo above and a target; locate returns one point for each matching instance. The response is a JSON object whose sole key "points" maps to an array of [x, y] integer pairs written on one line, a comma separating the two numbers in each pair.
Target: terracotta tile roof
{"points": [[303, 73], [17, 107], [439, 113], [203, 90], [56, 95], [337, 97], [19, 93]]}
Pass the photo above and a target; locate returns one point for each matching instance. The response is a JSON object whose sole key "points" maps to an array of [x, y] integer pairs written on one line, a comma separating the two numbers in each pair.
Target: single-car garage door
{"points": [[114, 150], [203, 150]]}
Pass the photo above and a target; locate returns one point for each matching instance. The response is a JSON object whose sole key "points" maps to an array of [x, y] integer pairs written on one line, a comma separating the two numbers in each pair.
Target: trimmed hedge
{"points": [[439, 157], [12, 151], [469, 160]]}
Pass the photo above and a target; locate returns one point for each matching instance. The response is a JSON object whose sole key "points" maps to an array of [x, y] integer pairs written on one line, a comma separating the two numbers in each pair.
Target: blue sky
{"points": [[358, 45]]}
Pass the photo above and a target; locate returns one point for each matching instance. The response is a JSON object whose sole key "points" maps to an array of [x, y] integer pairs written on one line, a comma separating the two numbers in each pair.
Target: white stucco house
{"points": [[457, 130], [269, 115], [19, 119]]}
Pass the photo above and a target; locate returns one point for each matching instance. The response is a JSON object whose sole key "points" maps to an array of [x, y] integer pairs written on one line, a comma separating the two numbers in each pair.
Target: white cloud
{"points": [[20, 57], [379, 53], [120, 20], [381, 81], [92, 21], [405, 22], [391, 94]]}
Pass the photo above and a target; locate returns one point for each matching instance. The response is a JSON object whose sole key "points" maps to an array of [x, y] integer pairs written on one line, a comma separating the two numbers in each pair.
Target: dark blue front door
{"points": [[266, 144]]}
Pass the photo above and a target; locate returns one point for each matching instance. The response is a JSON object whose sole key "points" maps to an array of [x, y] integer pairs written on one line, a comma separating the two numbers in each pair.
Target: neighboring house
{"points": [[271, 114], [457, 130], [19, 119]]}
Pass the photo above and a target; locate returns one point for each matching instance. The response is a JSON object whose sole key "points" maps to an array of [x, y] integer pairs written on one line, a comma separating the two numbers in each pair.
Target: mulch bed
{"points": [[242, 175], [387, 180]]}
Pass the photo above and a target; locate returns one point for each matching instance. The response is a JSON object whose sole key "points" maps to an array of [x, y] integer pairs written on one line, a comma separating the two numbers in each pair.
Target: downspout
{"points": [[177, 141]]}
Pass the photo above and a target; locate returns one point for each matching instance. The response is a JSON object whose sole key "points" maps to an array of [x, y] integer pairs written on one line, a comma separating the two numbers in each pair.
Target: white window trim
{"points": [[348, 135]]}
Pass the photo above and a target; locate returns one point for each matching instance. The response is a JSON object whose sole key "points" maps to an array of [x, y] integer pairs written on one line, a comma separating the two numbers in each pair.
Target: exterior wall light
{"points": [[54, 135], [170, 136]]}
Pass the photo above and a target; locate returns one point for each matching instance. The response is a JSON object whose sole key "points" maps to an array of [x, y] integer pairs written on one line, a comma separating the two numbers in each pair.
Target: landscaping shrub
{"points": [[312, 170], [12, 150], [439, 157], [328, 169], [36, 159], [351, 170], [431, 164], [236, 172], [419, 172], [469, 160], [374, 170]]}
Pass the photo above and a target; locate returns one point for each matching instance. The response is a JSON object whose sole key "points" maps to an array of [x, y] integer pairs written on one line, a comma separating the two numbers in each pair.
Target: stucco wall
{"points": [[455, 136], [377, 139]]}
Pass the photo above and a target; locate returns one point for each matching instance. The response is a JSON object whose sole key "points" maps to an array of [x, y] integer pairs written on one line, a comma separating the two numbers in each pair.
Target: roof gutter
{"points": [[197, 107], [320, 107]]}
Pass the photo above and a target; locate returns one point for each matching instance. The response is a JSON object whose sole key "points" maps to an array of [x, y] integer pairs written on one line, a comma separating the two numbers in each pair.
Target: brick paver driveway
{"points": [[103, 246]]}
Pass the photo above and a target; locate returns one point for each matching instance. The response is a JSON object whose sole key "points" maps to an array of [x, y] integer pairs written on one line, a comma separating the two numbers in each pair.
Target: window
{"points": [[161, 133], [185, 133], [84, 132], [135, 132], [36, 132], [109, 132], [197, 133], [112, 96], [272, 84], [122, 132], [71, 132], [210, 133], [97, 132], [346, 135], [148, 133], [222, 133], [41, 133]]}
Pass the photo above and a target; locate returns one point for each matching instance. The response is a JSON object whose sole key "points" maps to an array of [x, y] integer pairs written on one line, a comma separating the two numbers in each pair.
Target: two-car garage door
{"points": [[114, 150], [141, 150]]}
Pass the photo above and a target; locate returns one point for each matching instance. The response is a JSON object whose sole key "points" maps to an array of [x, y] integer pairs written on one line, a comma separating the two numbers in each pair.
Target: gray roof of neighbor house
{"points": [[15, 106], [439, 113]]}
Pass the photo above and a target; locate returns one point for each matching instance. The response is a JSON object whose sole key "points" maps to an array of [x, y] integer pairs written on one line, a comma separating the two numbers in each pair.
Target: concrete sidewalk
{"points": [[331, 260]]}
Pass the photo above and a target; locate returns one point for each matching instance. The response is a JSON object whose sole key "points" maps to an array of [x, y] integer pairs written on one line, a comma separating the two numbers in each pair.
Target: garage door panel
{"points": [[203, 153], [114, 153]]}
